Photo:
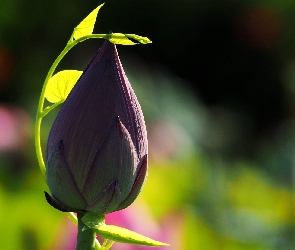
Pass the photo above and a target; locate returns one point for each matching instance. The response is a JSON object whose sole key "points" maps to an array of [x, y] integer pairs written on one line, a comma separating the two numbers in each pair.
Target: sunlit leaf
{"points": [[123, 235], [61, 84], [86, 26], [141, 39], [119, 38], [118, 234]]}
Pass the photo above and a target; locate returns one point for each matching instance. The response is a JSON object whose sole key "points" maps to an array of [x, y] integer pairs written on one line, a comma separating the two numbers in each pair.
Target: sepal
{"points": [[138, 184], [58, 205], [108, 201], [60, 180]]}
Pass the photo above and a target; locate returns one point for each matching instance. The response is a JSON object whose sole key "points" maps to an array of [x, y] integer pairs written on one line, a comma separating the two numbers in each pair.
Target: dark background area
{"points": [[217, 90], [231, 53]]}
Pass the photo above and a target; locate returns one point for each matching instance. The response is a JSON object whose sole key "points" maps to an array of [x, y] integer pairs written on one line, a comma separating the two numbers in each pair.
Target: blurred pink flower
{"points": [[139, 219], [66, 236], [14, 128], [167, 141]]}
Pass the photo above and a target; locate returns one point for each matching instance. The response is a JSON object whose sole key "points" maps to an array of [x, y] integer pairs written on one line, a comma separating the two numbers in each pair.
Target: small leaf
{"points": [[61, 84], [114, 233], [119, 38], [86, 26], [141, 39], [123, 235]]}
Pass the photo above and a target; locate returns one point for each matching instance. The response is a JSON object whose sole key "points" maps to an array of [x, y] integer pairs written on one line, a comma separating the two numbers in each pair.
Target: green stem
{"points": [[40, 114], [49, 108], [75, 220], [86, 238]]}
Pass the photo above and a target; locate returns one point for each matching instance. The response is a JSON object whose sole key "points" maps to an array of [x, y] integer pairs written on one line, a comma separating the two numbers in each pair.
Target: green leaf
{"points": [[86, 26], [119, 38], [123, 235], [61, 84], [114, 233], [141, 39]]}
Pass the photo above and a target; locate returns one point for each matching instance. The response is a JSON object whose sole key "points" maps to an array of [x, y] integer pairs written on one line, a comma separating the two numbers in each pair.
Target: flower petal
{"points": [[102, 93], [138, 184], [128, 157], [108, 201], [84, 120], [99, 147], [61, 182], [115, 159], [58, 205], [136, 128]]}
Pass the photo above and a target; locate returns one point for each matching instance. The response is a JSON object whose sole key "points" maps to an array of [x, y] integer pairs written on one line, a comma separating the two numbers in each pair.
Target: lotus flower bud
{"points": [[96, 154]]}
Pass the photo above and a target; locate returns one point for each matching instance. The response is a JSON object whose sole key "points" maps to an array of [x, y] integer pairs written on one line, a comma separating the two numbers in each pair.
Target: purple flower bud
{"points": [[97, 147]]}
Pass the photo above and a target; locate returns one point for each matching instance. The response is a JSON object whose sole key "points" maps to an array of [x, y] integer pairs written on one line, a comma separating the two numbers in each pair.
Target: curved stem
{"points": [[40, 110]]}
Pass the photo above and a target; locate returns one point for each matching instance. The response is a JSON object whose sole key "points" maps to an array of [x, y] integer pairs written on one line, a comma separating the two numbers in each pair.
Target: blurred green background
{"points": [[217, 88]]}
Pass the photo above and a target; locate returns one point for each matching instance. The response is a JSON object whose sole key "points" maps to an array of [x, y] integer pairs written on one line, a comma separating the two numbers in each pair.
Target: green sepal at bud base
{"points": [[91, 219], [117, 234]]}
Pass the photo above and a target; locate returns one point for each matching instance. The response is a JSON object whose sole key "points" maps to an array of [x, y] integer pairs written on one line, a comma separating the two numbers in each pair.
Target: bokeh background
{"points": [[217, 88]]}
